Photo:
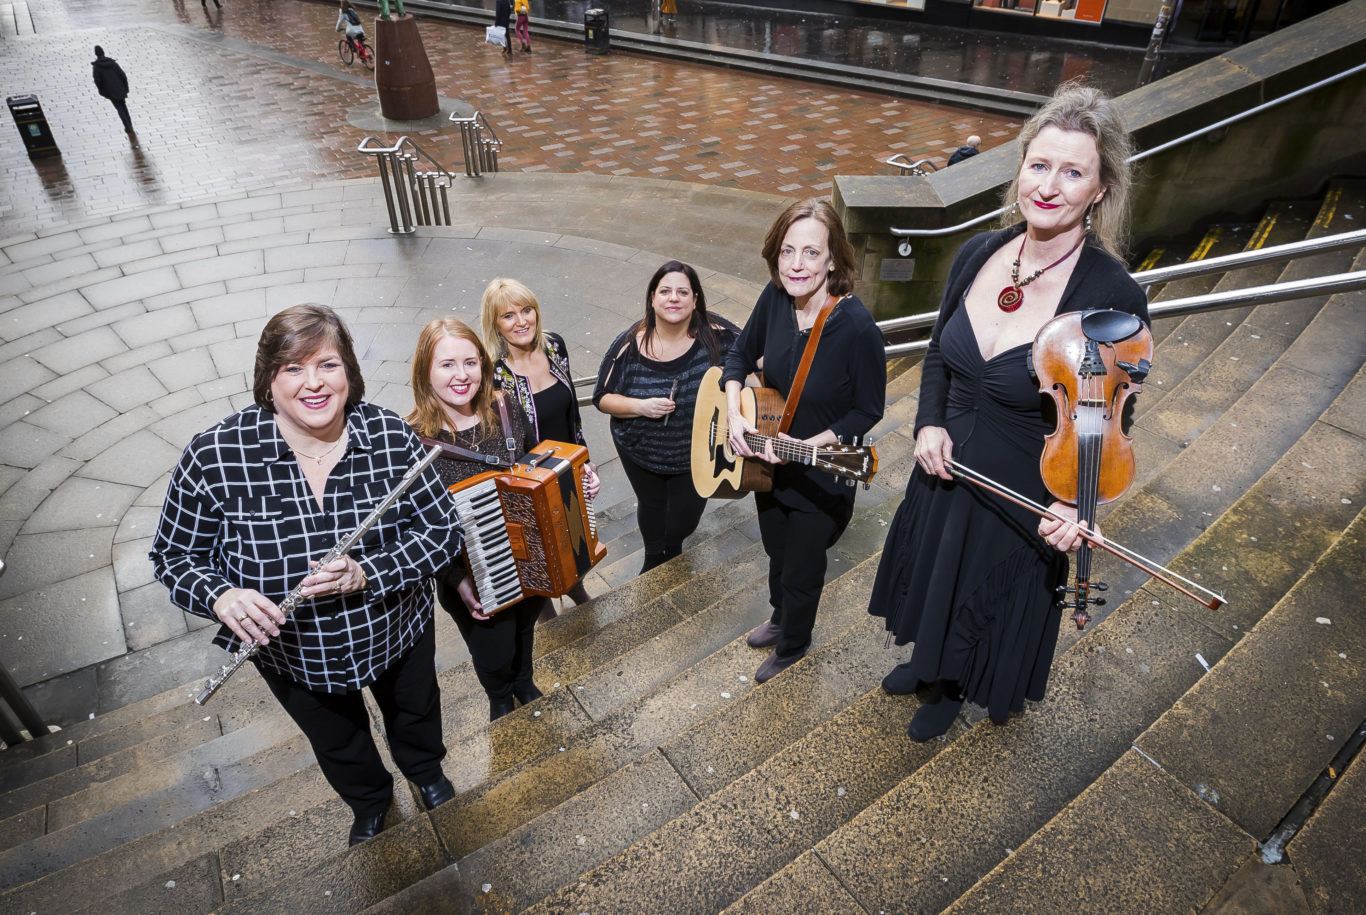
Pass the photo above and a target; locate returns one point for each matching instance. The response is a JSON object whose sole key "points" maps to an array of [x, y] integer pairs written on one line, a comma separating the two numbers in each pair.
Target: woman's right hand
{"points": [[654, 407], [932, 448], [250, 615], [466, 591], [738, 426]]}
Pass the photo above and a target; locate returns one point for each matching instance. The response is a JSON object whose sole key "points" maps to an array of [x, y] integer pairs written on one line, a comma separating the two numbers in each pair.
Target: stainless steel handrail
{"points": [[1195, 134], [481, 152], [899, 160], [1213, 301], [1238, 259], [411, 196]]}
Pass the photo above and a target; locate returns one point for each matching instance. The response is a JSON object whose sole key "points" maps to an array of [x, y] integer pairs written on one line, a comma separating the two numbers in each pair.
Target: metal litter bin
{"points": [[28, 117], [596, 39]]}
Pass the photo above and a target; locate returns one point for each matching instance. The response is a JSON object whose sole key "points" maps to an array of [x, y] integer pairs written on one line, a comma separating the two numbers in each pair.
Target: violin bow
{"points": [[1156, 570]]}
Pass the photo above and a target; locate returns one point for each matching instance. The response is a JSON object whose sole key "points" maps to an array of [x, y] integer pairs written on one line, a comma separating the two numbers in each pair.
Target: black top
{"points": [[845, 391], [553, 406], [1107, 283], [485, 441], [110, 80], [660, 445], [961, 153], [239, 514]]}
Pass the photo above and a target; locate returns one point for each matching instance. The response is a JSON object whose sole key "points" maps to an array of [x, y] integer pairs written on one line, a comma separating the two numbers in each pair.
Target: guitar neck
{"points": [[784, 448]]}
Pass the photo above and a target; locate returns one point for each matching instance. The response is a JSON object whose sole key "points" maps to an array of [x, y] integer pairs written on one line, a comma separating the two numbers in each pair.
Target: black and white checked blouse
{"points": [[239, 513]]}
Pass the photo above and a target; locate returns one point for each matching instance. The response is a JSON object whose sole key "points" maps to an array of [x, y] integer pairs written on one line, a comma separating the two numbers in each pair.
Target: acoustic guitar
{"points": [[718, 472]]}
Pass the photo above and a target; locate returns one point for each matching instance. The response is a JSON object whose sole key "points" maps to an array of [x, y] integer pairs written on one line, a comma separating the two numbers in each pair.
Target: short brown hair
{"points": [[295, 334], [428, 416], [841, 252]]}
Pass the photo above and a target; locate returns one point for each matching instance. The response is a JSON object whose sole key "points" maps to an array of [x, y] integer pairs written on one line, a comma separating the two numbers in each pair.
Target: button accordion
{"points": [[529, 529]]}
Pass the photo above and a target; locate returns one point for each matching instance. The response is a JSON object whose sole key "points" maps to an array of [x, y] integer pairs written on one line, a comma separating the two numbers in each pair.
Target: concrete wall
{"points": [[1286, 150]]}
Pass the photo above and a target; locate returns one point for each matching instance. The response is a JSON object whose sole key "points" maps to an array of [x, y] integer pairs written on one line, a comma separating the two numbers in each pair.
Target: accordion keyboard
{"points": [[487, 548]]}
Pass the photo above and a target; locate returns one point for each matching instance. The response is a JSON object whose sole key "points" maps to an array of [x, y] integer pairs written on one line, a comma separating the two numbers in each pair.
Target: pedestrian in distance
{"points": [[112, 83], [967, 150], [522, 9], [205, 4], [502, 16]]}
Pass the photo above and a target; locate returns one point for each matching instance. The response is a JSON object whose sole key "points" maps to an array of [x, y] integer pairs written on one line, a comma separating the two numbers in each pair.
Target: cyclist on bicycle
{"points": [[349, 19]]}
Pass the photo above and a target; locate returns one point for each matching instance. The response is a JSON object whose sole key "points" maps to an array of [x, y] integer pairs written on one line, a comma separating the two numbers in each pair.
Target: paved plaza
{"points": [[136, 272]]}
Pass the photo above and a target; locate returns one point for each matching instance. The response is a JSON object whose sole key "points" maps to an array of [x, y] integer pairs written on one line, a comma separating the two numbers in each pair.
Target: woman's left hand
{"points": [[590, 479], [340, 576], [1064, 536]]}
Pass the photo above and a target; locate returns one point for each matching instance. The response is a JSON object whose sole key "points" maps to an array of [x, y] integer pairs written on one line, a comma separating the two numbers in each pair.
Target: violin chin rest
{"points": [[1109, 326]]}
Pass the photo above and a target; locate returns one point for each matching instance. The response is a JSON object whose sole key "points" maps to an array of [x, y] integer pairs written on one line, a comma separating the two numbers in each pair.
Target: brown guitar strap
{"points": [[794, 394]]}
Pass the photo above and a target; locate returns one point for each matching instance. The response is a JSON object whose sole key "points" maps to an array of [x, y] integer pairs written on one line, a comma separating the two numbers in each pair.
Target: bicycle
{"points": [[348, 49]]}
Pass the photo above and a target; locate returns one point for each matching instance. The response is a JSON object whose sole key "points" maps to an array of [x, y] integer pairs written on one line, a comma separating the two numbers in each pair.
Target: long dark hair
{"points": [[699, 327]]}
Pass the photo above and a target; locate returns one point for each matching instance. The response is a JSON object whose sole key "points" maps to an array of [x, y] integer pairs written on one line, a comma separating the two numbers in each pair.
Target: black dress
{"points": [[964, 574]]}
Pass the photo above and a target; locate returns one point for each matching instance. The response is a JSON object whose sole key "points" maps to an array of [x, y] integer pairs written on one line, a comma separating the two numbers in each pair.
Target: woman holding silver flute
{"points": [[252, 504]]}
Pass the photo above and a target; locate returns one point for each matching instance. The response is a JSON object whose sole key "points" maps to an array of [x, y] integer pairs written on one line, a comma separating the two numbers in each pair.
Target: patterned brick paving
{"points": [[255, 95]]}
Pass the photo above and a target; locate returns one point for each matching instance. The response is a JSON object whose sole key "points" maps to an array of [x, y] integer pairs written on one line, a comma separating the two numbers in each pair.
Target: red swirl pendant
{"points": [[1011, 298]]}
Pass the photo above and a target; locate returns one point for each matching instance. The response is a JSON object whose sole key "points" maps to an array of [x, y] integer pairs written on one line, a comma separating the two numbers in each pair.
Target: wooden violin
{"points": [[1090, 364]]}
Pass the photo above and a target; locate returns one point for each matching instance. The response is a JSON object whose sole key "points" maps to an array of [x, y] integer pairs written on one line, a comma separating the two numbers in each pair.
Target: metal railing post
{"points": [[18, 702]]}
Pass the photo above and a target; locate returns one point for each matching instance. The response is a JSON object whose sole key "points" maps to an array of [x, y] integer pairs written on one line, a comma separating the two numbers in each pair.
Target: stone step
{"points": [[181, 848], [1106, 689], [1191, 342], [1327, 852], [1200, 482], [632, 729], [1217, 772], [89, 823], [1217, 241], [530, 861], [1197, 399]]}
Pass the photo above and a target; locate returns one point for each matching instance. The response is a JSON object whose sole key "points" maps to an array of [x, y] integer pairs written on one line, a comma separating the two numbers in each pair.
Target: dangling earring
{"points": [[1088, 220]]}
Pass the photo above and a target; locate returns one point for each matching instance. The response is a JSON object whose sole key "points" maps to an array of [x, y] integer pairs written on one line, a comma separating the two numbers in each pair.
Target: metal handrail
{"points": [[410, 195], [18, 702], [1212, 301], [907, 166], [1238, 259], [1195, 134], [481, 152], [1175, 308]]}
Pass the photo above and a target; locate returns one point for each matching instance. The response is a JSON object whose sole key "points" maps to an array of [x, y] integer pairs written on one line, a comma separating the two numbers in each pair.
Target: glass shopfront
{"points": [[1076, 10]]}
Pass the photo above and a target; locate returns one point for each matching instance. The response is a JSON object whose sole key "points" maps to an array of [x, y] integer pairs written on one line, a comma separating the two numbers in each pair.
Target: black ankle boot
{"points": [[936, 716], [500, 707], [526, 692], [653, 559], [900, 682]]}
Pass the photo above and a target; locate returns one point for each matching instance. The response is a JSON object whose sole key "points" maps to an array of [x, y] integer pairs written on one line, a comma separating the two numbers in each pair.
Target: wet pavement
{"points": [[1000, 59], [255, 95]]}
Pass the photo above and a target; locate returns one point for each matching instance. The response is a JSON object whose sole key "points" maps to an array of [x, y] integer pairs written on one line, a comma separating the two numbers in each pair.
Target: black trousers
{"points": [[668, 508], [121, 107], [338, 727], [501, 646], [796, 543]]}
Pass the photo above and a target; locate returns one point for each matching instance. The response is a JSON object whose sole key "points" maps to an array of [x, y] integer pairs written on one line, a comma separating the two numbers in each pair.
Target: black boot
{"points": [[500, 707], [526, 691], [654, 558], [936, 716], [365, 828], [900, 682]]}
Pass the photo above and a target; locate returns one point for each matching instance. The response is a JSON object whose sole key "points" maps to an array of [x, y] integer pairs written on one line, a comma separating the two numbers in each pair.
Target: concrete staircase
{"points": [[655, 777]]}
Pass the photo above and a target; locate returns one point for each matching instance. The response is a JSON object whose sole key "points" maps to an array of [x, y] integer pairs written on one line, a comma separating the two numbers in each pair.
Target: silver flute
{"points": [[246, 652]]}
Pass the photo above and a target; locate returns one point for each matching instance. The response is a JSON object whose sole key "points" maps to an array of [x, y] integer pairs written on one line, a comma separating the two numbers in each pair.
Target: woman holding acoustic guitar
{"points": [[648, 385], [812, 267], [967, 576]]}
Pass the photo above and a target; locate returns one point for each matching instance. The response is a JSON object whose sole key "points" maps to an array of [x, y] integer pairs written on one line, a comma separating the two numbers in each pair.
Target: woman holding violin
{"points": [[968, 577]]}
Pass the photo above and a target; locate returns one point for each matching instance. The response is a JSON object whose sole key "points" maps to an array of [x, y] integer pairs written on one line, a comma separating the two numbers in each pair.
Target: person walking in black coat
{"points": [[502, 15], [112, 83]]}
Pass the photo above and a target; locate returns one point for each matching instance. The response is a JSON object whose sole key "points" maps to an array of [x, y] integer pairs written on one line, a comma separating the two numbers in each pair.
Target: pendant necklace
{"points": [[1012, 297], [319, 457]]}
